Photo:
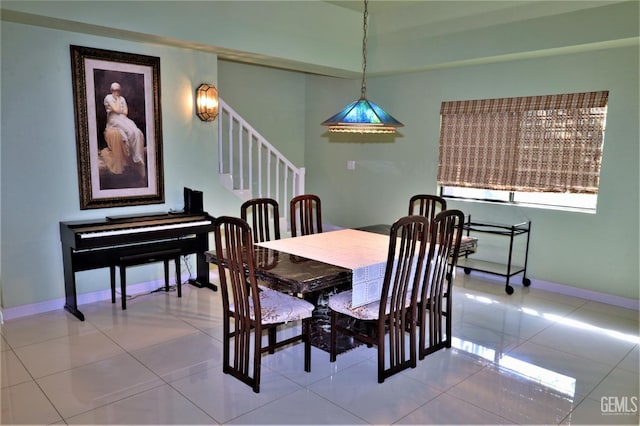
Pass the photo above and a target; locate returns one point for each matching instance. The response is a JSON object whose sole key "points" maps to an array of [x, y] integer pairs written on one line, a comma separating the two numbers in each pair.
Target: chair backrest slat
{"points": [[400, 288], [234, 249], [305, 215], [263, 214], [405, 262], [444, 248], [427, 205]]}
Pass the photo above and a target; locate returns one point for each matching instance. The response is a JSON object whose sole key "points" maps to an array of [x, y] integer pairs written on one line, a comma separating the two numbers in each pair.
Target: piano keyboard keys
{"points": [[132, 230]]}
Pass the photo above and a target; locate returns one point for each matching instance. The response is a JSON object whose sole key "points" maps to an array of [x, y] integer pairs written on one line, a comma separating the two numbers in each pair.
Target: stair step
{"points": [[243, 194]]}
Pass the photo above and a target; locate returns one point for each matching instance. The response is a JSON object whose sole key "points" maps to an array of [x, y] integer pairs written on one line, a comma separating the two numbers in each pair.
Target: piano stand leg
{"points": [[202, 269], [178, 277], [75, 312], [112, 273], [71, 302], [199, 284]]}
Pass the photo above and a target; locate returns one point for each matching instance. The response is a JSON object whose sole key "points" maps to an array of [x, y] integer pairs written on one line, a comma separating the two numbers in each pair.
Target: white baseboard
{"points": [[594, 296], [610, 299], [52, 305], [96, 296]]}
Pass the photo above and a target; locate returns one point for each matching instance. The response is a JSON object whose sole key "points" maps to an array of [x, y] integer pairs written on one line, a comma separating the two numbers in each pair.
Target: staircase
{"points": [[250, 167]]}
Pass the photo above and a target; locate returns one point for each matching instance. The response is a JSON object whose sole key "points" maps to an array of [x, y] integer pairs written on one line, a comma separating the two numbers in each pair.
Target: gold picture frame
{"points": [[118, 128]]}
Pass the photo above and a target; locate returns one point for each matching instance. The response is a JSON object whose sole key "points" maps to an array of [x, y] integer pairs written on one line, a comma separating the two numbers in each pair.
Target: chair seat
{"points": [[341, 302], [278, 307]]}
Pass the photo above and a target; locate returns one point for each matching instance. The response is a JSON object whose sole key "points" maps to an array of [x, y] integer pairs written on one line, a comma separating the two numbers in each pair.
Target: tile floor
{"points": [[530, 358]]}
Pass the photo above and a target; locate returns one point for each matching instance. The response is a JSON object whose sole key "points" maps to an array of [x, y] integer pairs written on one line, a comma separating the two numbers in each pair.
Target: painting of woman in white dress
{"points": [[118, 127], [125, 141]]}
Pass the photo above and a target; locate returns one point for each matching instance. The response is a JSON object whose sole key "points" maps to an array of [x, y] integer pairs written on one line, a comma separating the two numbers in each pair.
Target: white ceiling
{"points": [[404, 35], [435, 17], [398, 27]]}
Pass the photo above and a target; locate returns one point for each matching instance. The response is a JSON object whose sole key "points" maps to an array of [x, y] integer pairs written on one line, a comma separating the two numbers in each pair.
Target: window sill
{"points": [[527, 205]]}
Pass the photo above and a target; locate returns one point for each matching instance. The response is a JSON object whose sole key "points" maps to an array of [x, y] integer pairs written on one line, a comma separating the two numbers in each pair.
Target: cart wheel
{"points": [[526, 282], [508, 289], [467, 271]]}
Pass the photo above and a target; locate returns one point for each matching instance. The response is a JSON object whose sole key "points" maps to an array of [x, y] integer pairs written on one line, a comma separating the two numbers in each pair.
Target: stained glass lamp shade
{"points": [[363, 116]]}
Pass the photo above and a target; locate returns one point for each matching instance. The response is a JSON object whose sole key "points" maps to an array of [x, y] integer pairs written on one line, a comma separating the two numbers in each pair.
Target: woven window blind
{"points": [[547, 143]]}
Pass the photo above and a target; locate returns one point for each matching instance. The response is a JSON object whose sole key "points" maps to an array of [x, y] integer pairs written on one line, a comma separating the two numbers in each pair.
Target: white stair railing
{"points": [[252, 167]]}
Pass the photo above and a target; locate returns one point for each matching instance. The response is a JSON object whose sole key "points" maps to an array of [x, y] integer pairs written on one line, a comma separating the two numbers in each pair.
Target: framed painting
{"points": [[118, 128]]}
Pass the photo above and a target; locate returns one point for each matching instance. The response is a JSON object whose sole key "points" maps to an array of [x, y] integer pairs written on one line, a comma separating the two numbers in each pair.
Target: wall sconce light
{"points": [[207, 102]]}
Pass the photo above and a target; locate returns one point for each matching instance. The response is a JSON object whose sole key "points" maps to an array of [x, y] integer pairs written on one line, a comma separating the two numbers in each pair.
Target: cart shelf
{"points": [[507, 270]]}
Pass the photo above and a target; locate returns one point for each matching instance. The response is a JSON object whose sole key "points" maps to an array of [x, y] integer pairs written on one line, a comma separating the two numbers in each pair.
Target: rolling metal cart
{"points": [[507, 270]]}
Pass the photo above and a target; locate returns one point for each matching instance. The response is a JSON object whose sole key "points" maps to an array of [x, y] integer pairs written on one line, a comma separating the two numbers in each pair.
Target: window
{"points": [[540, 149]]}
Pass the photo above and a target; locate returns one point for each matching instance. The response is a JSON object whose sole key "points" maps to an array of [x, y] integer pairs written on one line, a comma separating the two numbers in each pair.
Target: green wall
{"points": [[39, 168], [596, 252], [38, 174], [272, 100]]}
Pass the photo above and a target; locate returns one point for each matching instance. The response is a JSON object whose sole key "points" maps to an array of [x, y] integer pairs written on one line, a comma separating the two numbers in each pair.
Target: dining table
{"points": [[316, 266]]}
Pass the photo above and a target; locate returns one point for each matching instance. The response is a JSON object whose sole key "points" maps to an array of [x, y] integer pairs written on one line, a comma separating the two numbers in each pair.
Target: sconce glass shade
{"points": [[207, 102], [362, 116]]}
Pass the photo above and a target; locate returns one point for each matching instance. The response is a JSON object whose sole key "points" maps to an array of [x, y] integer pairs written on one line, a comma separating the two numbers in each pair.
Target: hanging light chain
{"points": [[364, 50], [363, 116]]}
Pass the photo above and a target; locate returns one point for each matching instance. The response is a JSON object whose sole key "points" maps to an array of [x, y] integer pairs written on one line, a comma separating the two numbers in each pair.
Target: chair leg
{"points": [[334, 337], [272, 340], [306, 330], [448, 319], [413, 343], [422, 322], [123, 285], [226, 337], [380, 344], [257, 360], [448, 328]]}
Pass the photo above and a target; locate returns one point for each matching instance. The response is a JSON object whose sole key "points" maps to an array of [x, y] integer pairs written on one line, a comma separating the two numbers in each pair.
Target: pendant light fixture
{"points": [[363, 116]]}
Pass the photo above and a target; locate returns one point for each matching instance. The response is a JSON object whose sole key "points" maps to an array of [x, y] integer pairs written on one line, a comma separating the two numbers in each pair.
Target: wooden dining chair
{"points": [[427, 205], [263, 215], [306, 212], [435, 295], [394, 315], [249, 310]]}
